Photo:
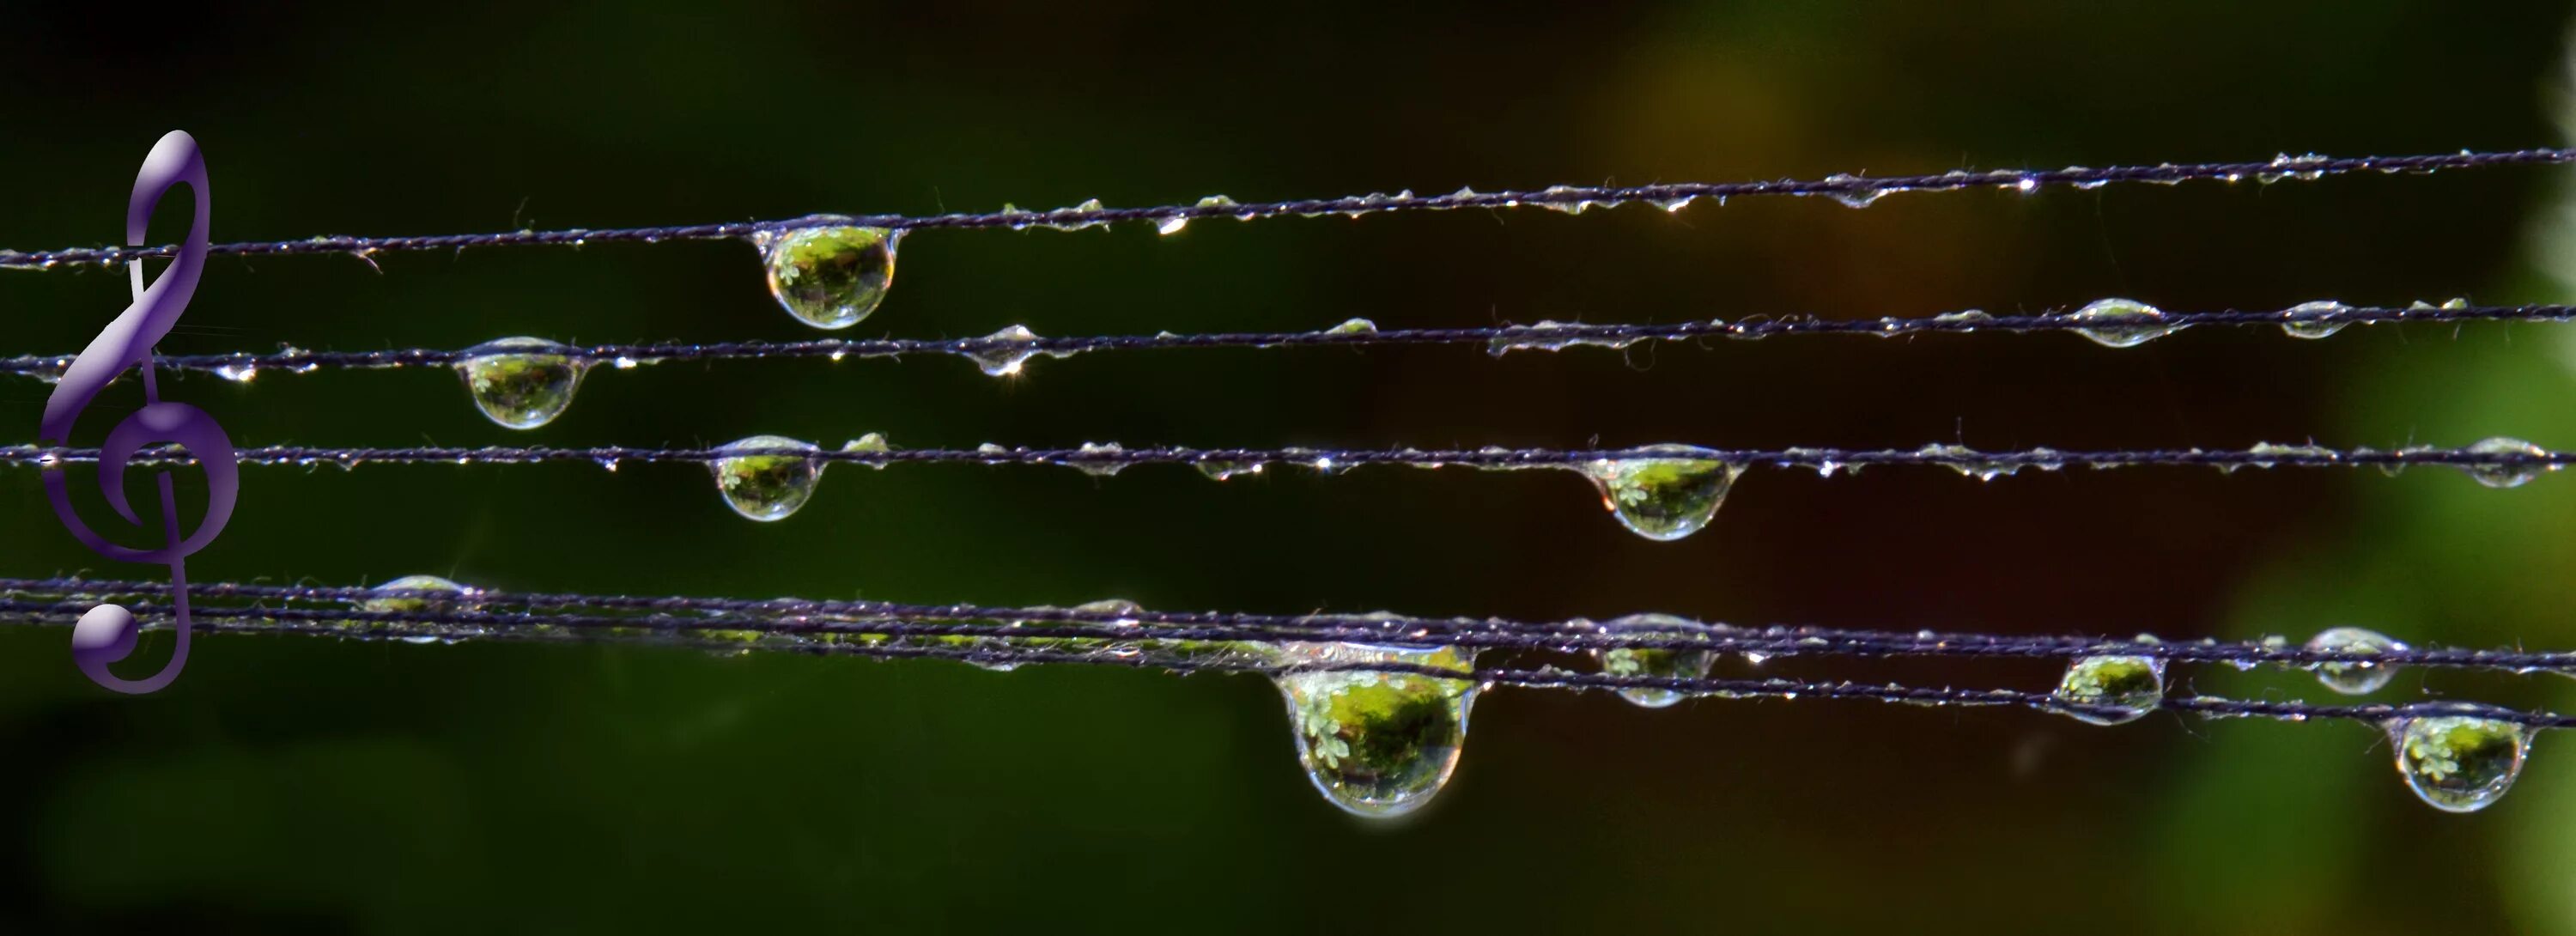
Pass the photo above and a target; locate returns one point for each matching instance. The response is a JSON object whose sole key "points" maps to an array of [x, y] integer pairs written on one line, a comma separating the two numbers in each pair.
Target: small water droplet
{"points": [[1968, 318], [2268, 454], [829, 277], [2360, 677], [2506, 475], [2133, 684], [1099, 461], [1667, 495], [521, 383], [1357, 326], [1855, 192], [442, 596], [1377, 744], [1968, 461], [873, 443], [2311, 328], [2458, 762], [2126, 323], [1221, 470], [237, 372], [1663, 662], [1005, 351], [1549, 336], [768, 480]]}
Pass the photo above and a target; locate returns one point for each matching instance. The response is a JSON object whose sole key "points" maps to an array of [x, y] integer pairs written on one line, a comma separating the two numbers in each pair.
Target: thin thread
{"points": [[1498, 338], [2509, 456], [292, 621], [795, 616], [1855, 189]]}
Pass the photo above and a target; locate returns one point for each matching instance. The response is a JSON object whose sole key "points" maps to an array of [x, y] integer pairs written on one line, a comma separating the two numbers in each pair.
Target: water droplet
{"points": [[1968, 461], [1663, 662], [2506, 475], [873, 443], [770, 480], [1221, 470], [2314, 329], [237, 372], [2360, 677], [1377, 744], [2458, 762], [1856, 191], [1357, 326], [2133, 684], [1666, 496], [829, 277], [1967, 317], [2126, 323], [444, 596], [521, 383], [1101, 464], [2268, 454], [1002, 353]]}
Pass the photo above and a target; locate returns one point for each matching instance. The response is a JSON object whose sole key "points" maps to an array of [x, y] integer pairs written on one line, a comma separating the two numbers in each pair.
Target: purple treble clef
{"points": [[107, 633]]}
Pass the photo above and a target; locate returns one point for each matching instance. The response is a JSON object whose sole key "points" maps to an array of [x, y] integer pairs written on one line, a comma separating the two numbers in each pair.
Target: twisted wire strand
{"points": [[2508, 457], [308, 622], [797, 616], [1497, 338], [1854, 189]]}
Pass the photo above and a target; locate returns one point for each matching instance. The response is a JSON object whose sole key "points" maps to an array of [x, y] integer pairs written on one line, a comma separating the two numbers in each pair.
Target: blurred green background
{"points": [[292, 785]]}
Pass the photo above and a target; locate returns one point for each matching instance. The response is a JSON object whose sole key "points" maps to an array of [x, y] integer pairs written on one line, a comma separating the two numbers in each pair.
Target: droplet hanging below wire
{"points": [[521, 383], [767, 477], [829, 277], [1377, 744], [1669, 493], [2460, 762]]}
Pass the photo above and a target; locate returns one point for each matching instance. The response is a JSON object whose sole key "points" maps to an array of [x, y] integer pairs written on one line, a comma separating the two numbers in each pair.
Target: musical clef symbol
{"points": [[108, 632]]}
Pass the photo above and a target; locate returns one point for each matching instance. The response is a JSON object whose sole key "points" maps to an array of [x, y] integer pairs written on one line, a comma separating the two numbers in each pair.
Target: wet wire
{"points": [[1849, 188], [1497, 339], [364, 624], [2501, 456]]}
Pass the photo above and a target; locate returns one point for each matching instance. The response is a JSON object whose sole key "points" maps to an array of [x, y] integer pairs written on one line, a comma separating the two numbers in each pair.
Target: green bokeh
{"points": [[310, 785]]}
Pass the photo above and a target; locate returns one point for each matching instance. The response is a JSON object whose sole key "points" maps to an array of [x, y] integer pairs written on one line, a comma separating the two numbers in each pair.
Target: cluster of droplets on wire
{"points": [[1378, 703]]}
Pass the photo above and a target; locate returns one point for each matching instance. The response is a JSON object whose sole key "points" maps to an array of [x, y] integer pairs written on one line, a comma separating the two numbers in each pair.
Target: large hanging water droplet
{"points": [[2312, 328], [1377, 744], [1664, 496], [2358, 677], [769, 480], [2123, 323], [2131, 685], [521, 383], [2506, 476], [2458, 763], [829, 277], [1669, 663]]}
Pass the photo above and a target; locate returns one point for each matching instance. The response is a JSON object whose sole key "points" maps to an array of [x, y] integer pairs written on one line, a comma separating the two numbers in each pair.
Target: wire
{"points": [[1497, 339], [302, 621], [2499, 455], [800, 616], [1851, 189]]}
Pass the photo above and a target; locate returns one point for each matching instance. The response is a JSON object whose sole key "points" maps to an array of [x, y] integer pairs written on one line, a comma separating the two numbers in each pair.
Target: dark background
{"points": [[295, 785]]}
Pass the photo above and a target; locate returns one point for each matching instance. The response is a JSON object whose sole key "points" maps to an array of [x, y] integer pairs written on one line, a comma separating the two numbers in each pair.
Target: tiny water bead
{"points": [[521, 383], [2311, 328], [2134, 685], [1377, 744], [2359, 677], [1357, 326], [1001, 353], [829, 277], [2122, 323], [2506, 476], [437, 595], [2459, 763], [1666, 496], [768, 479], [1653, 661]]}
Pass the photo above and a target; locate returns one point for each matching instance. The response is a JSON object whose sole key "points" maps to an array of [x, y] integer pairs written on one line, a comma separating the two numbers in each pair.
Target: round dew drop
{"points": [[1663, 498], [769, 480], [2458, 763], [521, 383], [1377, 744], [2133, 685], [2359, 677], [2312, 328], [1661, 662], [829, 277]]}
